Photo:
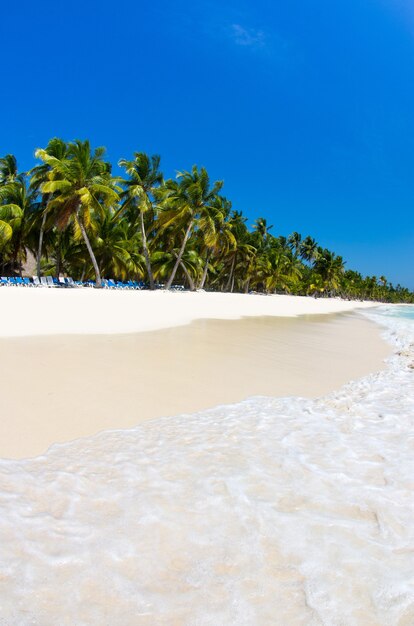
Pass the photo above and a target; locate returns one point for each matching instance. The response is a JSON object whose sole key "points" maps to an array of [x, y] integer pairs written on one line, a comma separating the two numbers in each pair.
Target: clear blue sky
{"points": [[304, 107]]}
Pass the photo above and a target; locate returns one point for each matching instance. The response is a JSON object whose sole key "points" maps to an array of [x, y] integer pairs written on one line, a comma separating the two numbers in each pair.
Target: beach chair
{"points": [[4, 281], [62, 281], [70, 282], [36, 281], [43, 281], [111, 283], [56, 282], [11, 280], [50, 282]]}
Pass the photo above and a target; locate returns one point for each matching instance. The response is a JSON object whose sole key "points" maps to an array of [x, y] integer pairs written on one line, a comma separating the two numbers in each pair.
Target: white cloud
{"points": [[247, 36]]}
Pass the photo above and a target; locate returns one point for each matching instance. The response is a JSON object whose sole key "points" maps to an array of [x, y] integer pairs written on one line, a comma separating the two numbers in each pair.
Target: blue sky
{"points": [[304, 107]]}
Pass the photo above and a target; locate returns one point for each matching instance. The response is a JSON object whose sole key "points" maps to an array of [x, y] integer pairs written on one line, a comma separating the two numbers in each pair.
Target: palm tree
{"points": [[39, 175], [281, 271], [6, 233], [182, 202], [81, 184], [261, 228], [240, 252], [18, 205], [144, 178], [215, 230], [8, 170], [330, 267], [65, 254], [294, 241], [308, 249], [190, 265], [116, 246]]}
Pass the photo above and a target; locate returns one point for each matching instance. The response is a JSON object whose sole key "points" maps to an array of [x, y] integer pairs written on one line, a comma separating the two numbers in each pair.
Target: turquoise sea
{"points": [[403, 312], [273, 511]]}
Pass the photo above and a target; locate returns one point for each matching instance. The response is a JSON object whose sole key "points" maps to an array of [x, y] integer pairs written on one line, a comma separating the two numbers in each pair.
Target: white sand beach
{"points": [[88, 311], [228, 515], [74, 362]]}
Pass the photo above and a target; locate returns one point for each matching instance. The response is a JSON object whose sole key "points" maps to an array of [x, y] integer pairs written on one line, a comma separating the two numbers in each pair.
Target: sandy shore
{"points": [[58, 388], [26, 312]]}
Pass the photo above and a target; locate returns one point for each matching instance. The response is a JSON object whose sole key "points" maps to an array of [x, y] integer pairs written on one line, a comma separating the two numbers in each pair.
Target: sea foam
{"points": [[267, 512]]}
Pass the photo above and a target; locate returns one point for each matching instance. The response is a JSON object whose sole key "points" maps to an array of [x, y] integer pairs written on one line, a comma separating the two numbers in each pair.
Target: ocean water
{"points": [[268, 512]]}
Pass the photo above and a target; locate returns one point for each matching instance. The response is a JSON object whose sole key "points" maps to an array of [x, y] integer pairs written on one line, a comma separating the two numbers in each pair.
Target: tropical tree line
{"points": [[77, 219]]}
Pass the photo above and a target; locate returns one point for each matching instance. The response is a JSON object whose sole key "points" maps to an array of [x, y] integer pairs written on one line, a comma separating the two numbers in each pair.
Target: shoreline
{"points": [[32, 312], [78, 385]]}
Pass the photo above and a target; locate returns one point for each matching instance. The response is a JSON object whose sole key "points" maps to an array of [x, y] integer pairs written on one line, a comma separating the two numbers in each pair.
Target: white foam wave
{"points": [[271, 511]]}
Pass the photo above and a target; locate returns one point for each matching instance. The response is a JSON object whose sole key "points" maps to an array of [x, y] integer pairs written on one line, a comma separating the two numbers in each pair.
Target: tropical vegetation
{"points": [[75, 218]]}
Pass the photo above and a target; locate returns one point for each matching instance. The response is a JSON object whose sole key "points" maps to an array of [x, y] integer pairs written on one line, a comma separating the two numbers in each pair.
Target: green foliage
{"points": [[78, 219]]}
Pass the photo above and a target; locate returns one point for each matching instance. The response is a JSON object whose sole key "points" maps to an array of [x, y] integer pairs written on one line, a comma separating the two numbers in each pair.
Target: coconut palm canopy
{"points": [[76, 218]]}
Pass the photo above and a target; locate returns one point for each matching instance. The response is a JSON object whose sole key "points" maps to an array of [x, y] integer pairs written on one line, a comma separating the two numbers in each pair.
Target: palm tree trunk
{"points": [[16, 256], [58, 254], [39, 249], [187, 274], [91, 254], [180, 254], [146, 252], [45, 200], [229, 282], [203, 280]]}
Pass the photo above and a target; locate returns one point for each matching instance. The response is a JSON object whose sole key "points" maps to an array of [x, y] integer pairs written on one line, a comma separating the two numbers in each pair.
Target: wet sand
{"points": [[62, 387]]}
